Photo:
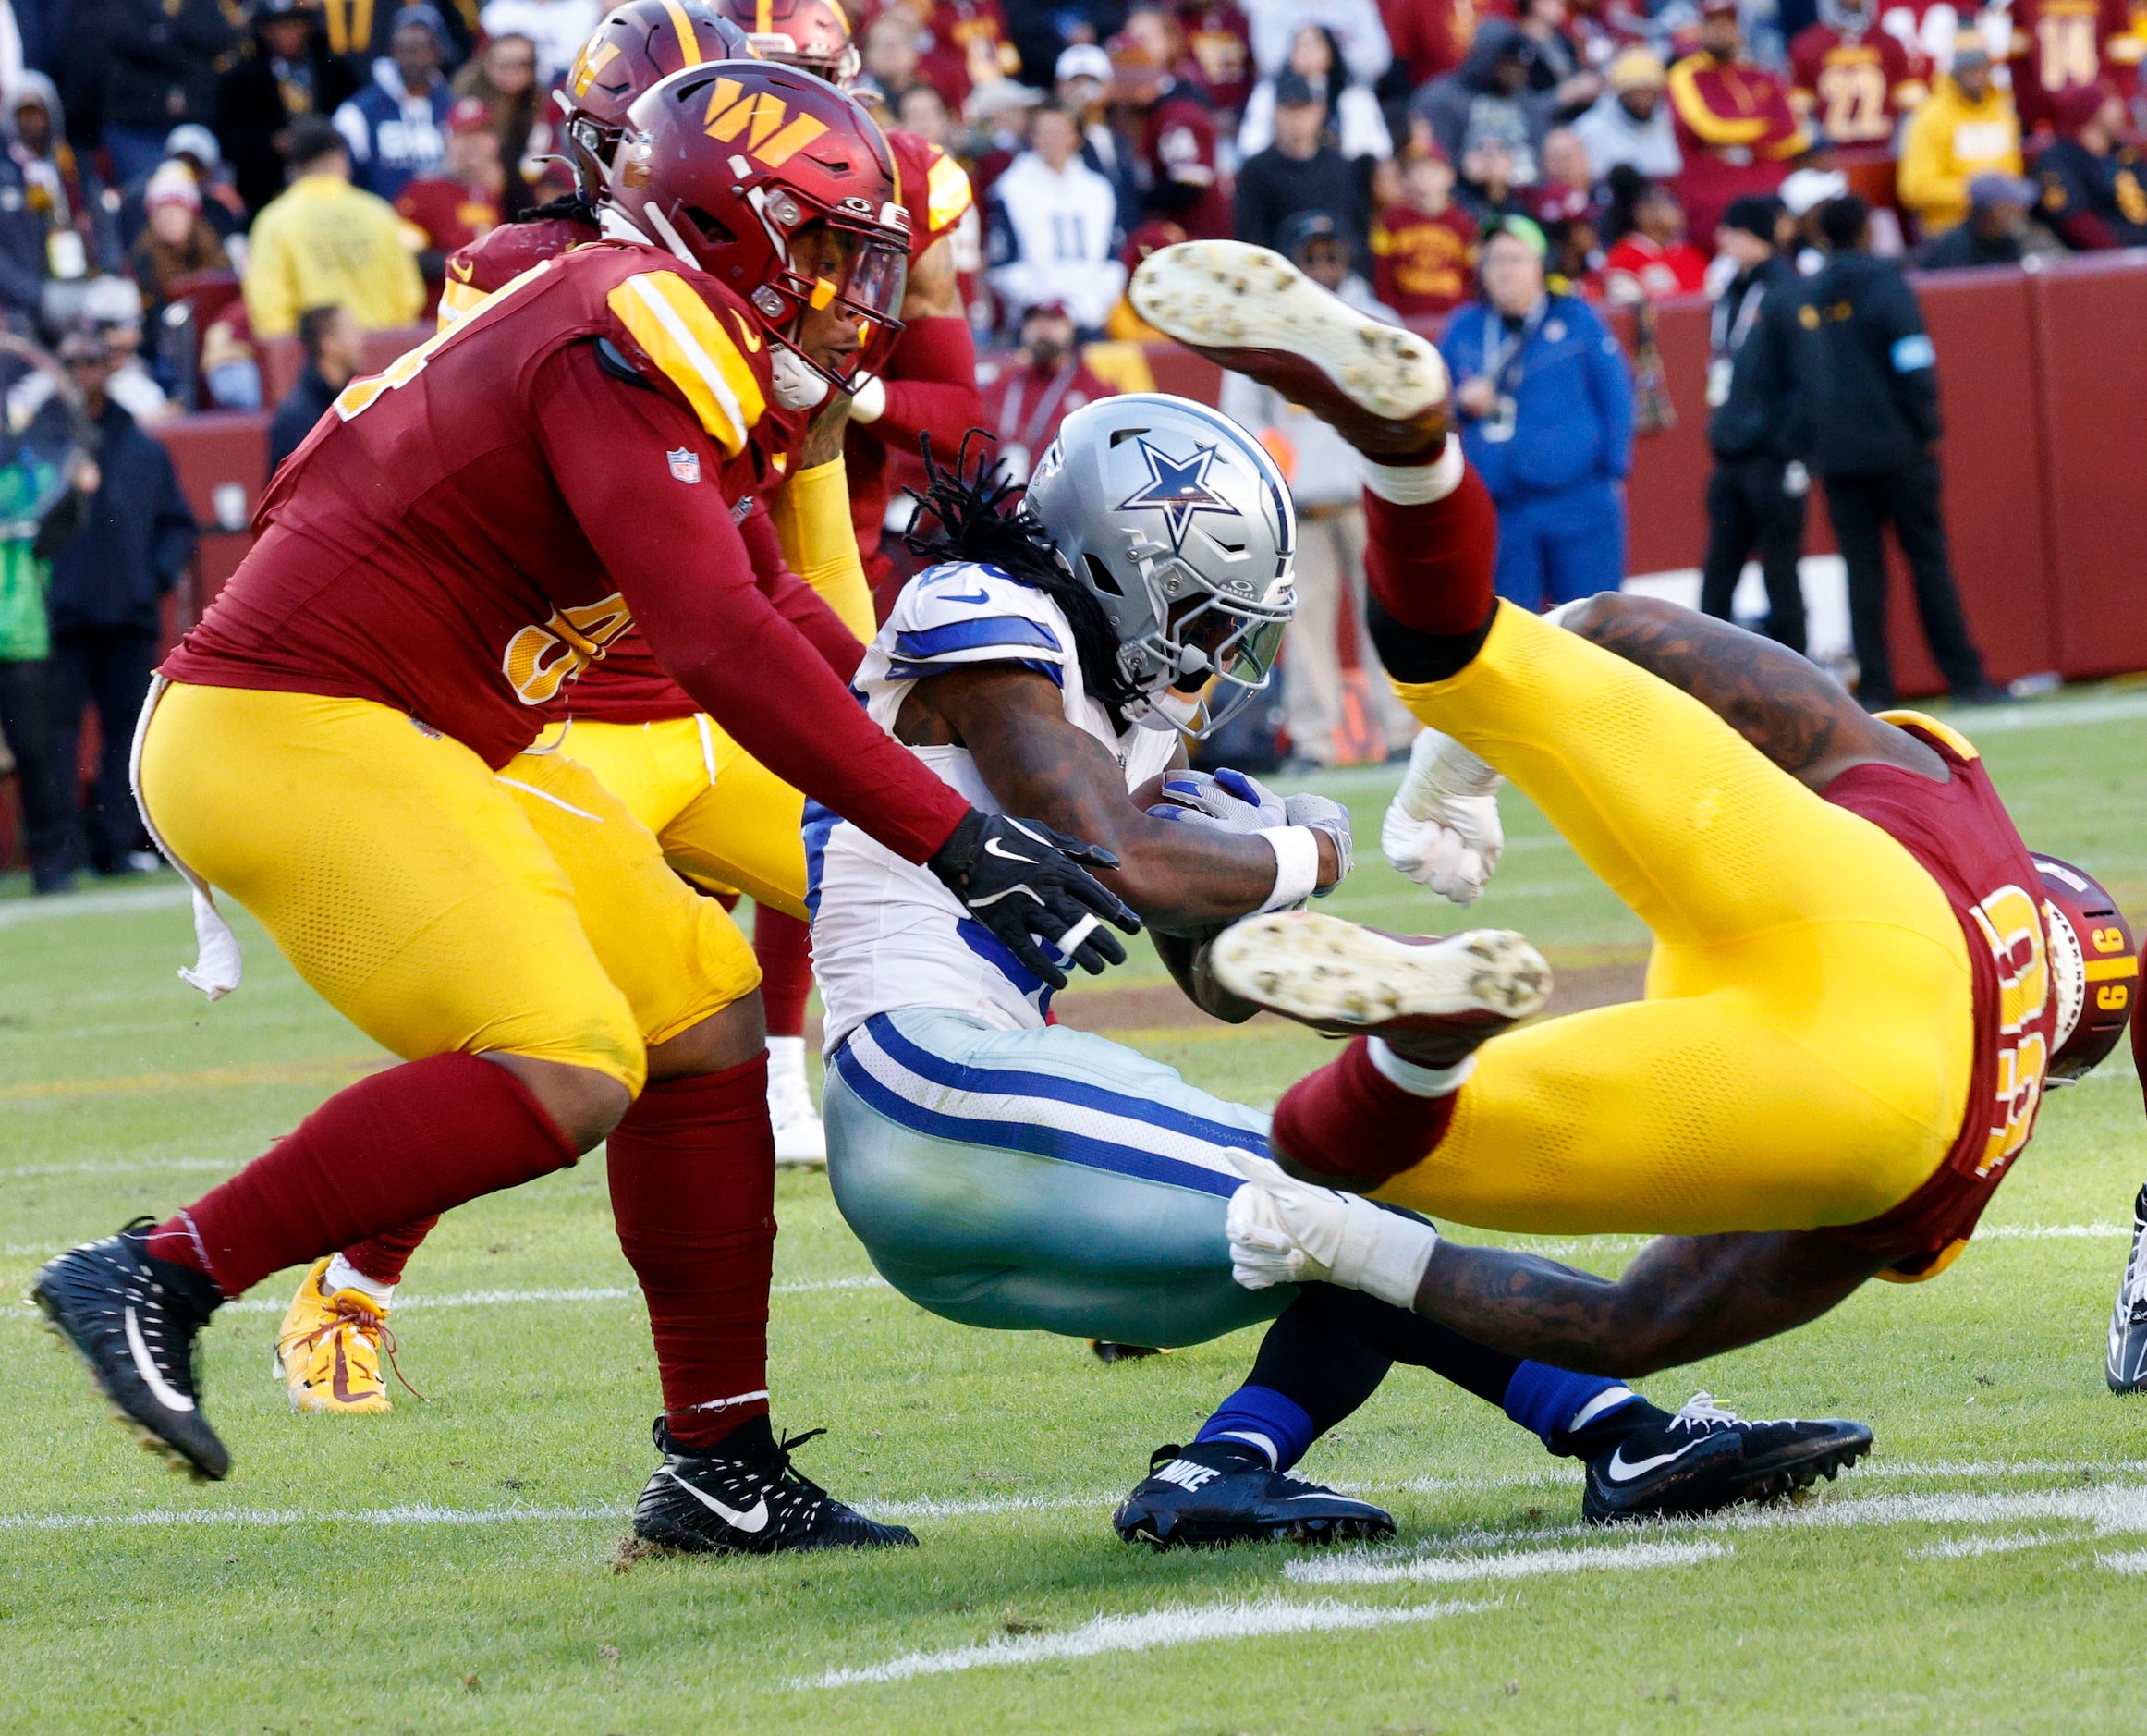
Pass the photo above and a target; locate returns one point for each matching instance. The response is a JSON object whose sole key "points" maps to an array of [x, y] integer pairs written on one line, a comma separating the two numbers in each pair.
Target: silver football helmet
{"points": [[1179, 523]]}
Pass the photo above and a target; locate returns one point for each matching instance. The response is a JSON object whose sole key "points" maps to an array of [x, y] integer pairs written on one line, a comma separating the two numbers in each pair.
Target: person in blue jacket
{"points": [[1544, 400]]}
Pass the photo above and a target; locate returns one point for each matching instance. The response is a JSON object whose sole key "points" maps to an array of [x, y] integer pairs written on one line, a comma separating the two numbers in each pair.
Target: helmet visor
{"points": [[858, 273], [1238, 649]]}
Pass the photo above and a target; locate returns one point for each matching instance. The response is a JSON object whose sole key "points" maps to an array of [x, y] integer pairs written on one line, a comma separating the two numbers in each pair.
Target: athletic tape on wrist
{"points": [[869, 403], [1297, 864], [1385, 1254], [1418, 485]]}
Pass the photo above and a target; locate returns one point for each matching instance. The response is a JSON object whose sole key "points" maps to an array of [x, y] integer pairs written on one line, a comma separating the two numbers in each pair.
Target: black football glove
{"points": [[1031, 885]]}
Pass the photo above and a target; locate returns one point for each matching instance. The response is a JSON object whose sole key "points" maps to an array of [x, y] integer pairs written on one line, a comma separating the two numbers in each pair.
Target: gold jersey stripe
{"points": [[681, 334], [946, 193], [1953, 739]]}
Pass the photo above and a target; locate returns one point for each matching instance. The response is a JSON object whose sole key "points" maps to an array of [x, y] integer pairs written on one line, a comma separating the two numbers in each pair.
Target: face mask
{"points": [[1169, 711]]}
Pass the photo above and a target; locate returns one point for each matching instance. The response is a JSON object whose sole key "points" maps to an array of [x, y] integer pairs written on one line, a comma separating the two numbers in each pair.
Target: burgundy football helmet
{"points": [[775, 183], [812, 35], [642, 41], [2095, 967]]}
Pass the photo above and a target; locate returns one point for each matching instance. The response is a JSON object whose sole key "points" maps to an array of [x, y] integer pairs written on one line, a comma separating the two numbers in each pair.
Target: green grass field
{"points": [[452, 1567]]}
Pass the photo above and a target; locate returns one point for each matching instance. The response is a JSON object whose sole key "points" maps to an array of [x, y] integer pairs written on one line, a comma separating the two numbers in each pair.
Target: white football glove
{"points": [[1286, 1232], [1442, 828]]}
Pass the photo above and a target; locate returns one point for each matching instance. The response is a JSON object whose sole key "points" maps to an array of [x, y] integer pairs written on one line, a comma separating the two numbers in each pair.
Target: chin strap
{"points": [[798, 385]]}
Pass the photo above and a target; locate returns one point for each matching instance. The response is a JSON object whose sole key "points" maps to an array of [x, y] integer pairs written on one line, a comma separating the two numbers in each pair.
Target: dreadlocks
{"points": [[976, 524]]}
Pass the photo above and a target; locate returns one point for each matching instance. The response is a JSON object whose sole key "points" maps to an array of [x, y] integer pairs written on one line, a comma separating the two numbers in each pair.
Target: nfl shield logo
{"points": [[685, 464]]}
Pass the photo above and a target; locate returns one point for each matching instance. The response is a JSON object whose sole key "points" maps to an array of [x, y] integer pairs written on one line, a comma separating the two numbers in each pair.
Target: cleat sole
{"points": [[1230, 295], [1323, 970]]}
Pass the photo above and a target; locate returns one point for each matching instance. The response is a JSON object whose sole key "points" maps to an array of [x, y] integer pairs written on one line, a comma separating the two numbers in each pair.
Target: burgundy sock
{"points": [[784, 946], [383, 1257], [1430, 565], [694, 1194], [1350, 1122], [407, 1143]]}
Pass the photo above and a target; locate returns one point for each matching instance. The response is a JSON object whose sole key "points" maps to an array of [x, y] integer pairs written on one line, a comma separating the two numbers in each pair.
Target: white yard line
{"points": [[278, 1517], [2125, 1561], [1454, 1569], [1965, 1548], [15, 913], [1176, 1625]]}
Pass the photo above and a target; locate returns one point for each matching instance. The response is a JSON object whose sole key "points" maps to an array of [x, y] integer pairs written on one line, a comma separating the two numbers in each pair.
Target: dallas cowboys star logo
{"points": [[1177, 488]]}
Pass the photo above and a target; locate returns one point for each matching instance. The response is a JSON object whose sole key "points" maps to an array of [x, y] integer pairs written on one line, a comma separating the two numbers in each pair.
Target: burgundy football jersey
{"points": [[1964, 840]]}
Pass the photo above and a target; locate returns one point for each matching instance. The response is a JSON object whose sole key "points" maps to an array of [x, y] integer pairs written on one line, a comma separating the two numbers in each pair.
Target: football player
{"points": [[1862, 980], [723, 819], [1010, 1172], [341, 745]]}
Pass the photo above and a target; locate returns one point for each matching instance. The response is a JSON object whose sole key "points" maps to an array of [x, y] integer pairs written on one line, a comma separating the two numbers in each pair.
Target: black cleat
{"points": [[2126, 1365], [1109, 1350], [135, 1323], [1704, 1458], [748, 1503], [1219, 1492]]}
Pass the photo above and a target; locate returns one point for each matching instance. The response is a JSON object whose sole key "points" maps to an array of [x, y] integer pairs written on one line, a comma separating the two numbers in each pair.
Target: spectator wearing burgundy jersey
{"points": [[966, 45], [1181, 170], [2095, 184], [471, 196], [1219, 44], [1028, 396], [1423, 250]]}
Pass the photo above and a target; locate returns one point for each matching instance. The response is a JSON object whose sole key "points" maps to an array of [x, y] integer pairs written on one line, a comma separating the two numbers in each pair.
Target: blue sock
{"points": [[1260, 1417], [1555, 1402]]}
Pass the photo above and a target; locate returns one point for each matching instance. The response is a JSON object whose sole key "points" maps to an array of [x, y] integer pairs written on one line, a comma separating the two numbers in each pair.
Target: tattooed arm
{"points": [[1790, 709], [1189, 878], [1683, 1297]]}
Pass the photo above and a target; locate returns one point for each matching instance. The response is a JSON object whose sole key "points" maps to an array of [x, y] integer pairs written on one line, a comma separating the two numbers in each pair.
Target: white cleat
{"points": [[1432, 998], [1381, 387], [800, 1139]]}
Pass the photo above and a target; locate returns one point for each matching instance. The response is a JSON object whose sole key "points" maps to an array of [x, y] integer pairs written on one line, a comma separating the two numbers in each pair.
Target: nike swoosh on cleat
{"points": [[754, 1519], [161, 1390], [1621, 1470], [994, 848]]}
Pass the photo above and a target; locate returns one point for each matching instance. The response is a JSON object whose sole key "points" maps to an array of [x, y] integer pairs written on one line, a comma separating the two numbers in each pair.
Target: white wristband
{"points": [[1297, 864], [869, 402], [1385, 1254], [1418, 485]]}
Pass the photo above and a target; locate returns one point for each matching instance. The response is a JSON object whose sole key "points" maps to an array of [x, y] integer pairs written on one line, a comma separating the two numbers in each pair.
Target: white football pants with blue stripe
{"points": [[1044, 1180]]}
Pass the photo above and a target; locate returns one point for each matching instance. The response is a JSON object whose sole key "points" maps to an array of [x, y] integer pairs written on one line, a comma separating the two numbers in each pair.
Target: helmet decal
{"points": [[1178, 489]]}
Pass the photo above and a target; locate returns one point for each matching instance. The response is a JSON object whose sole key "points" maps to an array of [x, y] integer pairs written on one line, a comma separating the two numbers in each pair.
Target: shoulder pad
{"points": [[668, 328], [962, 613]]}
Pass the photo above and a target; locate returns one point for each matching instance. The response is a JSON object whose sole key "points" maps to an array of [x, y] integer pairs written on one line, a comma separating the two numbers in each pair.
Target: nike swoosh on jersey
{"points": [[982, 596], [755, 1517], [1619, 1470], [994, 848]]}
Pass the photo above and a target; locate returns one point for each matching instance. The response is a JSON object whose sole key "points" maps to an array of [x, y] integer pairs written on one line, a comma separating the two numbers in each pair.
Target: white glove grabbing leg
{"points": [[1286, 1232], [1442, 828]]}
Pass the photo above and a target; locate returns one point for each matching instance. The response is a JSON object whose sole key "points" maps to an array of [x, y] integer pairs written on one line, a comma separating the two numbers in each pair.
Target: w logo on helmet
{"points": [[761, 116]]}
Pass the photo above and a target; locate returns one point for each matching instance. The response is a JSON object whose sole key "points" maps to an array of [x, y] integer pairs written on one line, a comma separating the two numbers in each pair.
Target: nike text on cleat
{"points": [[136, 1322], [1382, 388], [328, 1349], [1220, 1492], [2126, 1365], [1433, 999], [748, 1503], [1705, 1459]]}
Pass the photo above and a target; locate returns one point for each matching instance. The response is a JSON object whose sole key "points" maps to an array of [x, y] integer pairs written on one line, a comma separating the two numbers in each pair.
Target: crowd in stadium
{"points": [[188, 185]]}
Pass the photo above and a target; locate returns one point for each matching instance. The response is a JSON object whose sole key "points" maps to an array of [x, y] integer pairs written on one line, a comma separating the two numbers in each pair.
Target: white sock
{"points": [[342, 1275], [1418, 485], [1252, 1437], [1602, 1404], [1419, 1081], [785, 1054]]}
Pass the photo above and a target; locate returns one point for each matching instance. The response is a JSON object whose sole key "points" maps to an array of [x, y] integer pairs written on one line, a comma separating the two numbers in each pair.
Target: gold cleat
{"points": [[329, 1348]]}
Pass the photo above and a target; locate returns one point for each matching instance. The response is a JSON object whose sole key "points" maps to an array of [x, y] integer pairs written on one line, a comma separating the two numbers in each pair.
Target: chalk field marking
{"points": [[1176, 1625], [1454, 1569], [1965, 1548], [2125, 1561], [15, 914], [514, 1298]]}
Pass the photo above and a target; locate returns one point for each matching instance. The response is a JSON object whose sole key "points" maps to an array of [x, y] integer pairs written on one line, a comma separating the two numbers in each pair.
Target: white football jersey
{"points": [[885, 932]]}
